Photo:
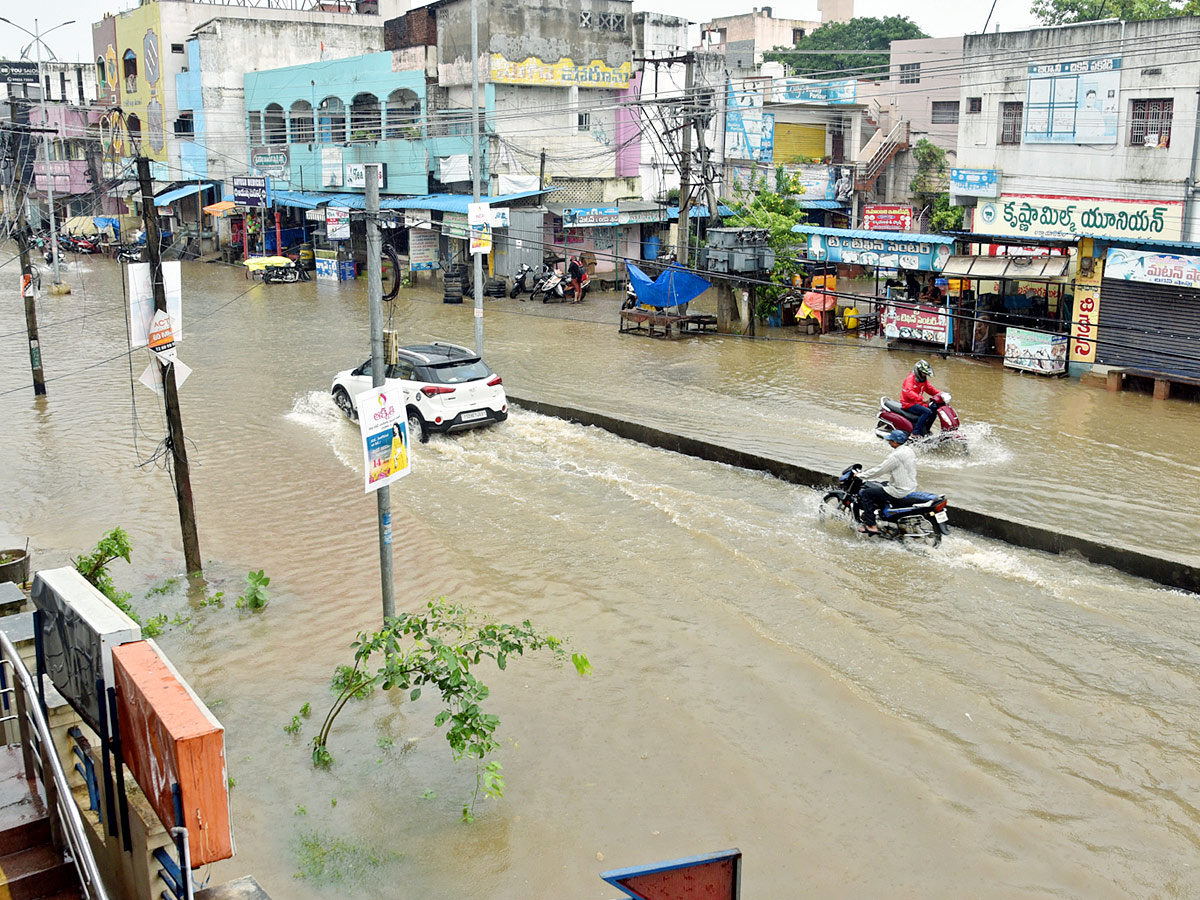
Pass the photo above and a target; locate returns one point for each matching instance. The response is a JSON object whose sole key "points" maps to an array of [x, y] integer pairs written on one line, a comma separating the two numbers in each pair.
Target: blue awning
{"points": [[300, 199], [875, 235], [457, 203], [821, 204], [168, 197]]}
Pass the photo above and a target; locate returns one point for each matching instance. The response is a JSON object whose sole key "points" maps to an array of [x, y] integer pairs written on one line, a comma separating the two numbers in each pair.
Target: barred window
{"points": [[944, 112], [612, 21], [1150, 123], [910, 73], [974, 105], [585, 18], [1011, 116]]}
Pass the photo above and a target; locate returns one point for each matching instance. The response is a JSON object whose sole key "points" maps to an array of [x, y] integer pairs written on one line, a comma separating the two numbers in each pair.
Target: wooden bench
{"points": [[1162, 380], [651, 324]]}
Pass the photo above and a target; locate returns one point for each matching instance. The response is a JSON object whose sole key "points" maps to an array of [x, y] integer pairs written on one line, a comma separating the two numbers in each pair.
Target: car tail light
{"points": [[495, 380], [431, 391]]}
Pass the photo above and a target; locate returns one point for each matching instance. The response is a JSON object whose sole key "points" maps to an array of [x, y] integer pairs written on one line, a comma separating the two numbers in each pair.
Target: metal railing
{"points": [[39, 754], [893, 141]]}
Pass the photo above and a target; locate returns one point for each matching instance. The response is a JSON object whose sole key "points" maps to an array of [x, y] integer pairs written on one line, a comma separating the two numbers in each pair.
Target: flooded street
{"points": [[861, 720]]}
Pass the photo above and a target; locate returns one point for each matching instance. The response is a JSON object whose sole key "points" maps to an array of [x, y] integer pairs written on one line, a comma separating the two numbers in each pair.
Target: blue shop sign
{"points": [[802, 90], [975, 182], [888, 252], [581, 218]]}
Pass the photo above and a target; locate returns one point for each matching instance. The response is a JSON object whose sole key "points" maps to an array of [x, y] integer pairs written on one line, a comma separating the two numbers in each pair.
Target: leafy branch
{"points": [[440, 647]]}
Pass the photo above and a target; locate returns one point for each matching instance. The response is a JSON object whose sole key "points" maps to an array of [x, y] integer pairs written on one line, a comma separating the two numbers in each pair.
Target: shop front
{"points": [[603, 235]]}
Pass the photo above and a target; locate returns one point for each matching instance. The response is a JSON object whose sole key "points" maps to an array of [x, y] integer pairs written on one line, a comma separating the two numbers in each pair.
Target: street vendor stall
{"points": [[901, 317]]}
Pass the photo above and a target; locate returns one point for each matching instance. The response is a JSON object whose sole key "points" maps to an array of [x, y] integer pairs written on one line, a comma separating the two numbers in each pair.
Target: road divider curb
{"points": [[1162, 569]]}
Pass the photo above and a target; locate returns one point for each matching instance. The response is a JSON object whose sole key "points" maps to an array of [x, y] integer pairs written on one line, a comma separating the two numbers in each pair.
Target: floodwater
{"points": [[859, 719]]}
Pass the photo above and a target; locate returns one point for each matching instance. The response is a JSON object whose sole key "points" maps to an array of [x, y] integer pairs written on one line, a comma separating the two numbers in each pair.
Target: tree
{"points": [[866, 41], [928, 187], [1068, 12], [777, 211], [944, 217]]}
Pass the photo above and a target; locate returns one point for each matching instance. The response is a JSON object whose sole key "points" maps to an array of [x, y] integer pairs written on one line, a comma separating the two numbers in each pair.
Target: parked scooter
{"points": [[919, 517], [129, 253], [892, 415], [282, 274], [550, 285], [524, 281]]}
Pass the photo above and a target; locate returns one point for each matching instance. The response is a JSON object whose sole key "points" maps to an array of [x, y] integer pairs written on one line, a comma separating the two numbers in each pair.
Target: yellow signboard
{"points": [[564, 73], [1085, 319]]}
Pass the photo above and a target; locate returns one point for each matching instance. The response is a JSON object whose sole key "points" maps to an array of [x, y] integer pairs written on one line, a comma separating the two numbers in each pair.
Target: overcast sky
{"points": [[938, 18]]}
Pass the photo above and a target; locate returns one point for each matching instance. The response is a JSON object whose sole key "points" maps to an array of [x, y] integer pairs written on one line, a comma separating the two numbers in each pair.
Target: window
{"points": [[403, 115], [585, 121], [255, 127], [185, 125], [974, 105], [177, 48], [129, 61], [274, 125], [133, 125], [365, 123], [302, 122], [612, 21], [331, 121], [797, 36], [910, 73], [944, 112], [585, 18], [1150, 123], [101, 77], [1011, 115]]}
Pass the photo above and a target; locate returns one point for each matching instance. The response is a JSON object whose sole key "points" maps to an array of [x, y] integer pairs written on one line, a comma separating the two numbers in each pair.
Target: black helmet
{"points": [[923, 370]]}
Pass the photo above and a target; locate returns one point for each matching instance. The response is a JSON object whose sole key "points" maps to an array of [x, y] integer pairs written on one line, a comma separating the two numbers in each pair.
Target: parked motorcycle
{"points": [[893, 416], [555, 285], [524, 280], [129, 253], [631, 300], [921, 517], [284, 274]]}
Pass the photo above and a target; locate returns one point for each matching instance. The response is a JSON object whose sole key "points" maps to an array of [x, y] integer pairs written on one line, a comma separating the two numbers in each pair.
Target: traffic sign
{"points": [[714, 876]]}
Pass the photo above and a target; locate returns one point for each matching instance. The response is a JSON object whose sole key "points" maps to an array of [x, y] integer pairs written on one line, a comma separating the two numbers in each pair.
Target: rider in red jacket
{"points": [[915, 385]]}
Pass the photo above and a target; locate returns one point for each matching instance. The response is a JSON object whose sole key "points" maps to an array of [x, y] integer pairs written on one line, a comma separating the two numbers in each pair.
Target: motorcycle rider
{"points": [[916, 384], [901, 464]]}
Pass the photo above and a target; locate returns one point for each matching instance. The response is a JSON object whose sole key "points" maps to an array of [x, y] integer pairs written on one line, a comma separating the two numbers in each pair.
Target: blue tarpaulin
{"points": [[102, 222], [674, 287]]}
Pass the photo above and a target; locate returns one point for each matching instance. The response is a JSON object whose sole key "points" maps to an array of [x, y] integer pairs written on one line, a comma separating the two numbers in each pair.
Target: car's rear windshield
{"points": [[458, 372]]}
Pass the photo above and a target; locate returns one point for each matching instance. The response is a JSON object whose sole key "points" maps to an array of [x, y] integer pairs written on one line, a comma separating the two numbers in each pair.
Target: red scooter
{"points": [[945, 430]]}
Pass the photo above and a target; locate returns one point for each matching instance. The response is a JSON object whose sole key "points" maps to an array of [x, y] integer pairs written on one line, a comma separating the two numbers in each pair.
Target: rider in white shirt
{"points": [[901, 465]]}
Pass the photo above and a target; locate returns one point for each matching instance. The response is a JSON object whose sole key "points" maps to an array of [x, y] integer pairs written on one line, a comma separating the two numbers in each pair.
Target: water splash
{"points": [[316, 411]]}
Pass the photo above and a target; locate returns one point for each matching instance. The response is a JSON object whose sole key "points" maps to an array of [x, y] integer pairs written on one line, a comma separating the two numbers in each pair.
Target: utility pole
{"points": [[542, 172], [477, 259], [183, 473], [37, 39], [685, 168], [383, 496], [15, 144]]}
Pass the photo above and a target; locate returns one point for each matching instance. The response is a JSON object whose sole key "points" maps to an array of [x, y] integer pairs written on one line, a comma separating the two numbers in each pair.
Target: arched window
{"points": [[274, 124], [364, 118], [101, 77], [403, 114], [133, 125], [302, 123], [331, 121], [130, 71]]}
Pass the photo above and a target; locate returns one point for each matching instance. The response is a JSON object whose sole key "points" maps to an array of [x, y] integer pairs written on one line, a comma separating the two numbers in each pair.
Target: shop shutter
{"points": [[796, 141], [1153, 327]]}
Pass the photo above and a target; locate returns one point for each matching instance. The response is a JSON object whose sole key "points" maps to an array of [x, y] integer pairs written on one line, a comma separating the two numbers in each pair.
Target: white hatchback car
{"points": [[446, 388]]}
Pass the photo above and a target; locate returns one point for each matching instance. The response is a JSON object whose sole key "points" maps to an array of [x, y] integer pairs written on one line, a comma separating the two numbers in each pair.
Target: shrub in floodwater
{"points": [[325, 859]]}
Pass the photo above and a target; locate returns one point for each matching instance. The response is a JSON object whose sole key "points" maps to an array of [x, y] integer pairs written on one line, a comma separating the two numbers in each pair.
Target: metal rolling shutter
{"points": [[795, 141], [1154, 327]]}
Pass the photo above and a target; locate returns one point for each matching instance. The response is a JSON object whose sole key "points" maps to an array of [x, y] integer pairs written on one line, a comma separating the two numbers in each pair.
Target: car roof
{"points": [[438, 352]]}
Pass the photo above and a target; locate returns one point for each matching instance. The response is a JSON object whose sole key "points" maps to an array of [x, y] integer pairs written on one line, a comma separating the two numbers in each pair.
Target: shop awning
{"points": [[700, 212], [821, 204], [861, 235], [168, 197], [457, 203], [220, 209], [1015, 268], [301, 199]]}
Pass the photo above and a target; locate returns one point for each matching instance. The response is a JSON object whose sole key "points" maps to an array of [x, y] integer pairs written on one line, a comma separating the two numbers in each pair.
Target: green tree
{"points": [[928, 187], [777, 211], [1068, 12], [866, 42], [944, 217]]}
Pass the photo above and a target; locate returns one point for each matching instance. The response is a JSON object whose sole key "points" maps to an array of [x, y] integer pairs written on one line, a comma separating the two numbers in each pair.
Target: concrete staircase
{"points": [[30, 867], [878, 153]]}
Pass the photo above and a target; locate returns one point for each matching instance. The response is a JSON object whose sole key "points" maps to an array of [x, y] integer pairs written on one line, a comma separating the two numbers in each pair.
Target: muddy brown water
{"points": [[861, 720]]}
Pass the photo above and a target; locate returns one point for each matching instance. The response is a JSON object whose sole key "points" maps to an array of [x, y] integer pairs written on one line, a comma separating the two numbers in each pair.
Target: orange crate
{"points": [[168, 736]]}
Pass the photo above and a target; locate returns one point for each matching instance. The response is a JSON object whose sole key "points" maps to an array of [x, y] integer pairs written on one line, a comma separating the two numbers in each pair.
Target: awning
{"points": [[457, 203], [699, 212], [221, 208], [169, 197], [300, 199], [821, 204], [1014, 268], [860, 234]]}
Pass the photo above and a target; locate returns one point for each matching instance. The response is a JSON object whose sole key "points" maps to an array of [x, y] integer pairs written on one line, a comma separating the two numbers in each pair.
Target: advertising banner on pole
{"points": [[141, 301], [384, 428], [337, 223], [422, 249], [481, 239], [250, 191]]}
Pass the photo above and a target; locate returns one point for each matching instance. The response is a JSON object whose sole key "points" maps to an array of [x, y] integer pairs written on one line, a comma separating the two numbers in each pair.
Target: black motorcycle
{"points": [[921, 517], [524, 281], [284, 274], [129, 253]]}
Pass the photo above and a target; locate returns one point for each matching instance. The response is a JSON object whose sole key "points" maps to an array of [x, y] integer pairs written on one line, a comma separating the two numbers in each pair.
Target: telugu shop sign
{"points": [[564, 73], [1070, 217], [887, 218]]}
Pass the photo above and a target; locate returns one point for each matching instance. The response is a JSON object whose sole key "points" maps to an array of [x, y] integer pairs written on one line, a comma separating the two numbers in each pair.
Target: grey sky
{"points": [[937, 17]]}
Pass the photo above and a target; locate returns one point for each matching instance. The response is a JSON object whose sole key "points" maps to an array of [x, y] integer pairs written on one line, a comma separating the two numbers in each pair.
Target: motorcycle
{"points": [[631, 300], [524, 281], [555, 285], [129, 253], [892, 416], [922, 517], [284, 274]]}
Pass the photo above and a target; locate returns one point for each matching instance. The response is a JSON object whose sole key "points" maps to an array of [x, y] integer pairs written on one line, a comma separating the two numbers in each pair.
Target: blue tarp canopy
{"points": [[168, 197], [102, 222], [440, 202], [859, 234], [673, 287], [699, 212], [821, 204]]}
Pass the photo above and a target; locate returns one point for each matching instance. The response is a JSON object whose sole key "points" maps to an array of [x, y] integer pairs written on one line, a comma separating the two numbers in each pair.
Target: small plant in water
{"points": [[94, 567], [294, 726], [439, 647], [163, 588], [154, 626], [217, 599], [256, 595]]}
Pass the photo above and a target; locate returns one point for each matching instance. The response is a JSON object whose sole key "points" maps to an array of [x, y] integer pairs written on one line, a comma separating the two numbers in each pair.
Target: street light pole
{"points": [[37, 34]]}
